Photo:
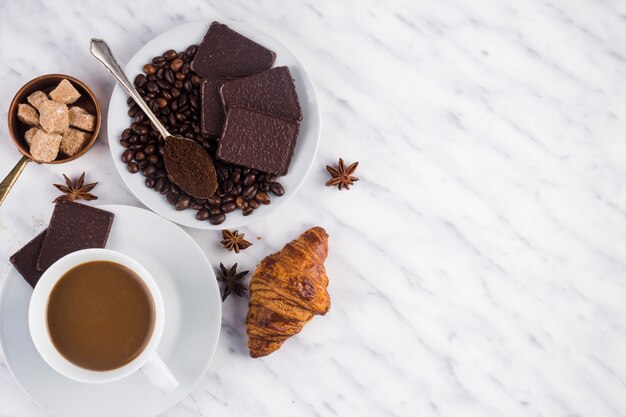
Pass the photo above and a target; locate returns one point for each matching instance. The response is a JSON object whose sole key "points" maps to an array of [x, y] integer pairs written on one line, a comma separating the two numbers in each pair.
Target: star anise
{"points": [[234, 240], [78, 191], [342, 175], [231, 278]]}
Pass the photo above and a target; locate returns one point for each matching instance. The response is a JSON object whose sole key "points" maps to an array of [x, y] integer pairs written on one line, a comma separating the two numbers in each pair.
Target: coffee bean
{"points": [[227, 186], [228, 199], [136, 146], [149, 69], [180, 117], [139, 117], [154, 105], [124, 143], [149, 170], [262, 198], [235, 177], [163, 85], [176, 64], [240, 202], [158, 60], [175, 92], [185, 68], [180, 76], [264, 186], [172, 119], [127, 156], [202, 214], [140, 80], [159, 73], [277, 189], [160, 183], [249, 179], [171, 198], [169, 76], [161, 102], [249, 191], [166, 189], [214, 211], [183, 202], [214, 201], [169, 54], [127, 133], [132, 167], [150, 149], [140, 156], [253, 203], [152, 87], [153, 159], [247, 211], [188, 86], [142, 164], [142, 130], [196, 80], [196, 206], [160, 173], [218, 219], [229, 207], [150, 182], [191, 51], [237, 190]]}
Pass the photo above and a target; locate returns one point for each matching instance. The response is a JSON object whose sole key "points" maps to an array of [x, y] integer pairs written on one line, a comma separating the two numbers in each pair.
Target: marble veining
{"points": [[477, 269]]}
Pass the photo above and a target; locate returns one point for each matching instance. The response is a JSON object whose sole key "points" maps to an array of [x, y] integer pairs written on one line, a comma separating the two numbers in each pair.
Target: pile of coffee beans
{"points": [[172, 91]]}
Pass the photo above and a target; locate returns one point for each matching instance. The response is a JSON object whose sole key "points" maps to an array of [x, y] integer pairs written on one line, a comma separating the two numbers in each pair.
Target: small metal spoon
{"points": [[201, 161]]}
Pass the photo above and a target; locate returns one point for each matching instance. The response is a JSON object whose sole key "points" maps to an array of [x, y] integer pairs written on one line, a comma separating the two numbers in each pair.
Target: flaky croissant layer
{"points": [[287, 289]]}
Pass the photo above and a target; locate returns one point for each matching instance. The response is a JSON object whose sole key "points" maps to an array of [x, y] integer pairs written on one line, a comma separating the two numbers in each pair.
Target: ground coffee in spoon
{"points": [[190, 167]]}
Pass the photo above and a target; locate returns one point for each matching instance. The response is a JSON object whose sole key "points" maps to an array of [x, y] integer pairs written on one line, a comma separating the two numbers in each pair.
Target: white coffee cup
{"points": [[147, 361]]}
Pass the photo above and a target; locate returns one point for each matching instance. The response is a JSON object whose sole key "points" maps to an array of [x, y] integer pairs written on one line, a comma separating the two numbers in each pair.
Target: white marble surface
{"points": [[479, 266]]}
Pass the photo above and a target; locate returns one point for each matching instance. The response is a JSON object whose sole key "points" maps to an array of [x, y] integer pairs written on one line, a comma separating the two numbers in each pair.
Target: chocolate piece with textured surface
{"points": [[73, 226], [225, 53], [257, 140], [25, 260], [212, 120], [272, 92]]}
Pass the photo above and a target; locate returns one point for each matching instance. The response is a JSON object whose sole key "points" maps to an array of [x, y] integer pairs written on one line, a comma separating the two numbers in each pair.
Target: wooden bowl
{"points": [[47, 83]]}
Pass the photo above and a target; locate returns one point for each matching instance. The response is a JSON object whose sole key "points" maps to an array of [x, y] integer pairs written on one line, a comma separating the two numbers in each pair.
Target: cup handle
{"points": [[159, 374]]}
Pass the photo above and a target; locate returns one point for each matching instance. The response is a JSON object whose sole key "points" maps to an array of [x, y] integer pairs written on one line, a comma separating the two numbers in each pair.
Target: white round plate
{"points": [[179, 38], [193, 314]]}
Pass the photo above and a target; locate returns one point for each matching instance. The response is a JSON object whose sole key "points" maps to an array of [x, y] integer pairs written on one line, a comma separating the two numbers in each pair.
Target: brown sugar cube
{"points": [[37, 99], [27, 114], [28, 136], [65, 93], [73, 141], [45, 146], [54, 117], [81, 119]]}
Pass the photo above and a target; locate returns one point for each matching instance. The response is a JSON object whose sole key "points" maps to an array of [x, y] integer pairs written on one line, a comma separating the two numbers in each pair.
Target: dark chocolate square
{"points": [[212, 120], [25, 260], [225, 53], [258, 140], [272, 92], [73, 226]]}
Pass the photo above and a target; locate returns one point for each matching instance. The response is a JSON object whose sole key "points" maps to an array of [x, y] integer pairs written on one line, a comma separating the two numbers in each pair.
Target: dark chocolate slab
{"points": [[73, 226], [212, 120], [257, 140], [272, 92], [225, 53], [25, 260]]}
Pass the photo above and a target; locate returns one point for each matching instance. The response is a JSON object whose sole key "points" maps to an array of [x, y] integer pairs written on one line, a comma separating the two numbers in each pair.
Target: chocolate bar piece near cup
{"points": [[25, 260], [272, 92], [73, 226], [225, 53], [258, 140]]}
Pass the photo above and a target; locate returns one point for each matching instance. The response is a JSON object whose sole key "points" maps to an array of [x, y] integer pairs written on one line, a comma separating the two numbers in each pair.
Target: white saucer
{"points": [[193, 311], [180, 38]]}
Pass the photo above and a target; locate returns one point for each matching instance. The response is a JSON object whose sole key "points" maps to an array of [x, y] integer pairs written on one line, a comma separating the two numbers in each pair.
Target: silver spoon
{"points": [[178, 151]]}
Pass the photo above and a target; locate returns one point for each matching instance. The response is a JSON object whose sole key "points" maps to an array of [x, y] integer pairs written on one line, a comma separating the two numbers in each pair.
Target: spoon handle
{"points": [[101, 51]]}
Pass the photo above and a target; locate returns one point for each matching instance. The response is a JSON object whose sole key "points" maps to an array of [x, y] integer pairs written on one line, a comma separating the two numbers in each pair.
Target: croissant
{"points": [[287, 289]]}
